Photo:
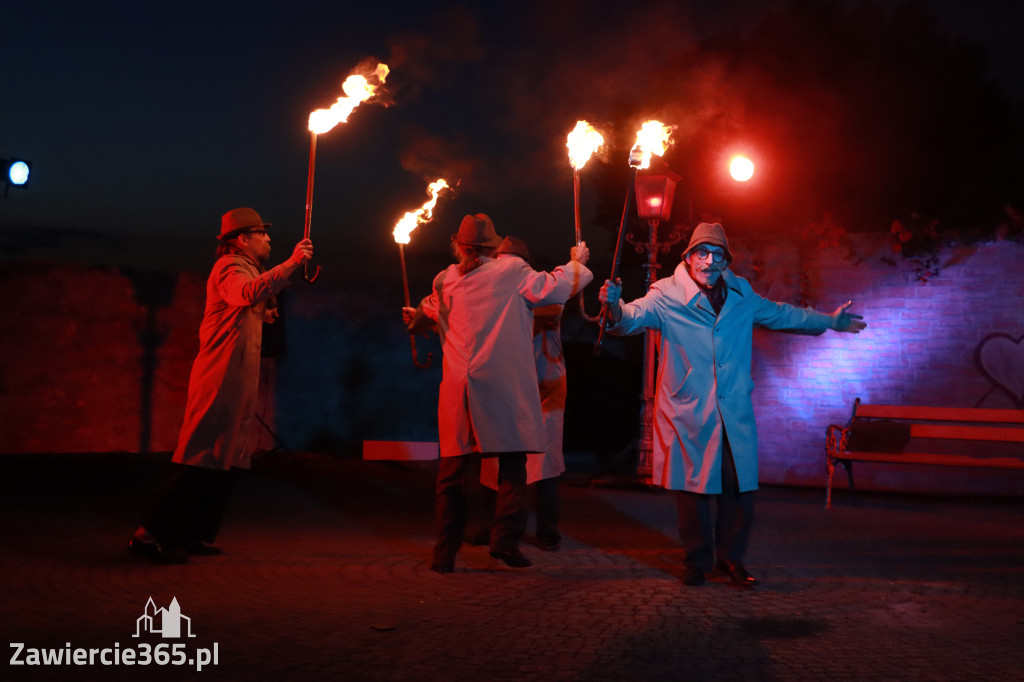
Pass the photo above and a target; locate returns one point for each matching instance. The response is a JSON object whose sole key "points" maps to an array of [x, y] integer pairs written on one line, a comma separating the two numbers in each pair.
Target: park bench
{"points": [[944, 436]]}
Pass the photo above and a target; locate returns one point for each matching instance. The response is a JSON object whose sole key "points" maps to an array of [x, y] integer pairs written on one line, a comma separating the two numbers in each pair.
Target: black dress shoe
{"points": [[156, 552], [442, 568], [693, 576], [736, 573], [514, 559]]}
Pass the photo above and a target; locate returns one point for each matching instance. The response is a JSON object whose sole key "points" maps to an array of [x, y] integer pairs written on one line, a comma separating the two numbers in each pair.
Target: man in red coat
{"points": [[217, 433]]}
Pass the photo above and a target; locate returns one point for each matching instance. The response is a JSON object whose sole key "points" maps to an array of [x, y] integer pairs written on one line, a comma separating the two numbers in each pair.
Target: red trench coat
{"points": [[489, 401], [704, 383], [218, 430]]}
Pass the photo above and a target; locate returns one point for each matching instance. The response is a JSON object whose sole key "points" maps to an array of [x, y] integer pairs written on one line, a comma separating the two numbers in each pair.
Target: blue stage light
{"points": [[18, 172]]}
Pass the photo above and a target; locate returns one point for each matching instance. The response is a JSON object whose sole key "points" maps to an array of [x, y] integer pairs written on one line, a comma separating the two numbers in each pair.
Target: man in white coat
{"points": [[217, 433], [705, 436], [542, 468], [489, 403]]}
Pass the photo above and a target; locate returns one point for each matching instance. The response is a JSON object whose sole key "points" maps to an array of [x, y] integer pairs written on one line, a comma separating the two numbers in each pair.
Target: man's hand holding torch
{"points": [[416, 321], [611, 295], [580, 253], [301, 254]]}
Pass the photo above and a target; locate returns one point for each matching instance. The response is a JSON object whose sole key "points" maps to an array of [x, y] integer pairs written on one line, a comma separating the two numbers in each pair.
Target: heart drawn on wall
{"points": [[1001, 359]]}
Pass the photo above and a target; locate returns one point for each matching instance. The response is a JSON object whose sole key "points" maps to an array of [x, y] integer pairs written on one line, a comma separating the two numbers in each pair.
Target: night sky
{"points": [[144, 123]]}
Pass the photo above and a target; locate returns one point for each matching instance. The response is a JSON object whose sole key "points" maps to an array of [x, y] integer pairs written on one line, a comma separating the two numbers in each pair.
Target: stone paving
{"points": [[325, 576]]}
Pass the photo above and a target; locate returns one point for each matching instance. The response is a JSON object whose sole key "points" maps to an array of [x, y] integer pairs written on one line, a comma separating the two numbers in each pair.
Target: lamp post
{"points": [[655, 189]]}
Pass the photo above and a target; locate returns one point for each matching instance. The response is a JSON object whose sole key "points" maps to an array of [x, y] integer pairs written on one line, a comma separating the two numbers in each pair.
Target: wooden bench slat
{"points": [[968, 414], [1006, 434], [904, 422], [925, 458]]}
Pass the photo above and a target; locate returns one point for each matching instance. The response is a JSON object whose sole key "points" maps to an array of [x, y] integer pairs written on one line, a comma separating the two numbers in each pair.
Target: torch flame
{"points": [[652, 139], [423, 214], [583, 142], [357, 90]]}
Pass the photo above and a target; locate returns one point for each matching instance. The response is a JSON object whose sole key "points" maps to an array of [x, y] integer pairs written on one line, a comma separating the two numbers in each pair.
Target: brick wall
{"points": [[919, 348], [95, 360]]}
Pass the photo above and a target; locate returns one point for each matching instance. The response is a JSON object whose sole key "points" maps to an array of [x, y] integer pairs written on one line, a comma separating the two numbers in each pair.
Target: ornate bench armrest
{"points": [[835, 439]]}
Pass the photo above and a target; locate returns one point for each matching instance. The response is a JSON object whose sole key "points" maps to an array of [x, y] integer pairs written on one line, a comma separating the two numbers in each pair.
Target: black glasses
{"points": [[256, 232], [702, 253]]}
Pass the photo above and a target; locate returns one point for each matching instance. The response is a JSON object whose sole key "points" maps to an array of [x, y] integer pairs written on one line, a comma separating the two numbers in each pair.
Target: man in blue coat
{"points": [[705, 436]]}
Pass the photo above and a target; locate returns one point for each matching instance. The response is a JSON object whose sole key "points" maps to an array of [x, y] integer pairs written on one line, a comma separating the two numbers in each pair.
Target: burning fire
{"points": [[357, 90], [652, 139], [423, 214], [583, 142]]}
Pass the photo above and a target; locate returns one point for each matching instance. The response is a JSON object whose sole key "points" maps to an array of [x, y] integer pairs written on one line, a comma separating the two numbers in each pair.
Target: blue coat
{"points": [[704, 383]]}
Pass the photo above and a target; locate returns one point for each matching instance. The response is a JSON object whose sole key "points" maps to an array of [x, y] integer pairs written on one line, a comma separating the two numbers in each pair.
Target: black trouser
{"points": [[451, 507], [707, 537], [188, 505], [547, 510], [546, 507]]}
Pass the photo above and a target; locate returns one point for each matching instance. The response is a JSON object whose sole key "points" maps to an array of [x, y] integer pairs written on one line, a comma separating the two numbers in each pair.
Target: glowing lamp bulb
{"points": [[741, 168], [18, 172]]}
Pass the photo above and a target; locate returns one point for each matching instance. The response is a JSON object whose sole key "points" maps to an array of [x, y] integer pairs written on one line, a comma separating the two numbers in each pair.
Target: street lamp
{"points": [[655, 190], [741, 168]]}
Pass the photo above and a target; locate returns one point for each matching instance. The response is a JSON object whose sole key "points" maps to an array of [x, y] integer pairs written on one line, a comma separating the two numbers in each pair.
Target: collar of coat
{"points": [[238, 256], [692, 291]]}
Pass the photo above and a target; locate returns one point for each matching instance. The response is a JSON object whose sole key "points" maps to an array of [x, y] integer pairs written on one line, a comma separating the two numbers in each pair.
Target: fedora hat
{"points": [[239, 220], [516, 247], [477, 230], [709, 233]]}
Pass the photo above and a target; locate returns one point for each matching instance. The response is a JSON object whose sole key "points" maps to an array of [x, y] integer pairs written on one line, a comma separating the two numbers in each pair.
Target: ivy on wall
{"points": [[919, 239]]}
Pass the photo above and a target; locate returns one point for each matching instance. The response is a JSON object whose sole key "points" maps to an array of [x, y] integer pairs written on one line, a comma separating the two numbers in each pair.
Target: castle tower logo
{"points": [[168, 622]]}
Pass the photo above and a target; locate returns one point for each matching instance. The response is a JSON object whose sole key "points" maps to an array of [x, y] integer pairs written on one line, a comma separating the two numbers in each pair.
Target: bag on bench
{"points": [[880, 435]]}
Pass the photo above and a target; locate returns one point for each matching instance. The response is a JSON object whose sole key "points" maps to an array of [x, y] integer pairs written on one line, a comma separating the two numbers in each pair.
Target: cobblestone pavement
{"points": [[325, 576]]}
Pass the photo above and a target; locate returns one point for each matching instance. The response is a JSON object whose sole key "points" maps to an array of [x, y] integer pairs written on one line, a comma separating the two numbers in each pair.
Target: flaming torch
{"points": [[403, 228], [583, 142], [651, 139], [357, 89]]}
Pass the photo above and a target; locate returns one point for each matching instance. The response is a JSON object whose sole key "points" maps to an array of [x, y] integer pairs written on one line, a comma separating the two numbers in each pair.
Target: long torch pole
{"points": [[405, 290], [626, 209], [576, 201], [405, 275], [579, 235], [309, 204]]}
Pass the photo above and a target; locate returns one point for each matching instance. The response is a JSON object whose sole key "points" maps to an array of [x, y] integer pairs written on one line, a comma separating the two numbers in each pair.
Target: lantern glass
{"points": [[655, 190]]}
